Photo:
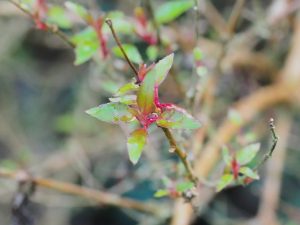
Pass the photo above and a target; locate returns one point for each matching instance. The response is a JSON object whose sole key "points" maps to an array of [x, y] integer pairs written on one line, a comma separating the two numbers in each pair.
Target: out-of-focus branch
{"points": [[235, 15], [50, 27], [94, 195]]}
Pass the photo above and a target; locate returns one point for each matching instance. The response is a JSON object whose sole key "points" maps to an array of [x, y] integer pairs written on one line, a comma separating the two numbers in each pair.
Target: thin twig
{"points": [[273, 146], [181, 154], [95, 195], [110, 24], [235, 15], [50, 27]]}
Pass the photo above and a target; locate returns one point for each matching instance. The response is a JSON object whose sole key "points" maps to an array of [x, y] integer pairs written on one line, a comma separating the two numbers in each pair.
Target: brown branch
{"points": [[181, 154], [50, 27], [235, 15], [110, 24], [94, 195]]}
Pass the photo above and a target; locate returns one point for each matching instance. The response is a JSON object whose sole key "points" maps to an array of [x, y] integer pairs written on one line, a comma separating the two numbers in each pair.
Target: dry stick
{"points": [[150, 10], [50, 27], [275, 140], [95, 195], [110, 24], [181, 154], [235, 15]]}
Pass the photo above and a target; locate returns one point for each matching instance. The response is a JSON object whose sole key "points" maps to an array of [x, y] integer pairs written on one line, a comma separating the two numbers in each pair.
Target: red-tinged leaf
{"points": [[162, 68], [177, 118], [247, 154], [111, 112], [145, 96], [136, 143], [225, 180]]}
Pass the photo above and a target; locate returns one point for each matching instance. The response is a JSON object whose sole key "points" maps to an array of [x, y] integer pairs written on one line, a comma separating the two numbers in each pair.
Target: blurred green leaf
{"points": [[79, 10], [127, 88], [58, 16], [247, 154], [170, 10], [87, 34], [64, 123], [234, 116], [84, 51], [136, 143], [177, 118], [249, 173], [8, 164], [226, 156], [111, 112], [161, 193], [198, 55], [225, 180], [131, 51], [152, 52], [184, 186]]}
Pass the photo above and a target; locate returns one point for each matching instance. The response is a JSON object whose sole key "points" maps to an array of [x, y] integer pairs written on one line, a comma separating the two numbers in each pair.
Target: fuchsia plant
{"points": [[145, 107]]}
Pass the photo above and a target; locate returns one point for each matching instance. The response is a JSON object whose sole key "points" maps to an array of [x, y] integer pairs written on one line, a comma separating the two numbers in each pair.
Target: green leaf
{"points": [[131, 51], [161, 193], [234, 116], [121, 26], [177, 118], [88, 34], [127, 88], [161, 69], [184, 186], [170, 10], [111, 112], [84, 51], [125, 99], [136, 143], [152, 52], [247, 154], [79, 10], [58, 16], [198, 55], [225, 180], [249, 173], [145, 95], [226, 156]]}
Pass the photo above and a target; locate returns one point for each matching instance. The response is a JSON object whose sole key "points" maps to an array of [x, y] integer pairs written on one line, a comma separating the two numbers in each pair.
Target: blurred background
{"points": [[44, 128]]}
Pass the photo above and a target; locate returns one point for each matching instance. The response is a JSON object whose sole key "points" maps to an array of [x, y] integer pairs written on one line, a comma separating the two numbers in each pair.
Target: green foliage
{"points": [[78, 10], [127, 88], [145, 95], [161, 193], [247, 154], [111, 112], [225, 180], [162, 68], [249, 173], [57, 15], [136, 143], [152, 52], [131, 51], [226, 156], [177, 118], [170, 10], [184, 186], [86, 45]]}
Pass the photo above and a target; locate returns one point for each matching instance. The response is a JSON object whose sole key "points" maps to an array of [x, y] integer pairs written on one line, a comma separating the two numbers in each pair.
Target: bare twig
{"points": [[50, 27], [181, 154], [95, 195], [235, 15], [275, 140], [111, 26]]}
